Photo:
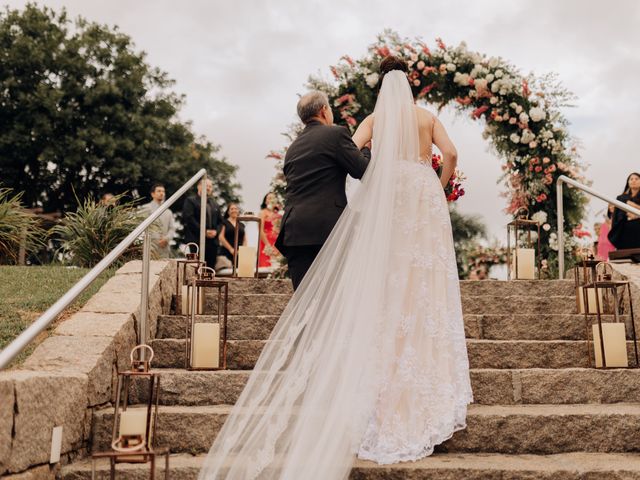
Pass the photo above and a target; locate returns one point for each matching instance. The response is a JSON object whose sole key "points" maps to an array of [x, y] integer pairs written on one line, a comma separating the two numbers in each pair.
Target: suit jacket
{"points": [[191, 219], [316, 167]]}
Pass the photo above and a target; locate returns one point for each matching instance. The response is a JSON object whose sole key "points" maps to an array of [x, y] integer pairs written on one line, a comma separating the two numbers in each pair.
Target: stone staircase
{"points": [[540, 411]]}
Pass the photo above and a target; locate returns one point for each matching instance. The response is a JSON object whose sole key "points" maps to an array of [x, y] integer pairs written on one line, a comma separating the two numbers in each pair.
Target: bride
{"points": [[369, 357]]}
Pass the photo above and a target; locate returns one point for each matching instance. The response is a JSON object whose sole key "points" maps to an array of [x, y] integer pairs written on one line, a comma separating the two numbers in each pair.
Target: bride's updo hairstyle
{"points": [[390, 63]]}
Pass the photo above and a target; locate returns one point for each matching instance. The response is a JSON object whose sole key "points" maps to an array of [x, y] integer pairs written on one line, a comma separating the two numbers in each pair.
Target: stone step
{"points": [[243, 354], [274, 304], [512, 429], [482, 327], [490, 386], [467, 287], [440, 466]]}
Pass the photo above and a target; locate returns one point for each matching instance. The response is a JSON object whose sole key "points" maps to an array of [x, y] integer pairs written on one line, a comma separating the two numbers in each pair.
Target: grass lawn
{"points": [[26, 292]]}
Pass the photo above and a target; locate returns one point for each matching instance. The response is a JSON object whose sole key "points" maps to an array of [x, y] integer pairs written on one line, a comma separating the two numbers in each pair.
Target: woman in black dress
{"points": [[625, 227], [228, 232]]}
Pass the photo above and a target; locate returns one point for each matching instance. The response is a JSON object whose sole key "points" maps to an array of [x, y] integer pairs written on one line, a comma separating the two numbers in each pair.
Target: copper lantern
{"points": [[134, 427], [584, 275], [609, 339], [206, 345], [523, 258], [245, 258], [185, 268]]}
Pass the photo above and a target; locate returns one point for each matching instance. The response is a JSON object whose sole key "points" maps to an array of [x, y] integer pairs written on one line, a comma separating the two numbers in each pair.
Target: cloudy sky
{"points": [[241, 65]]}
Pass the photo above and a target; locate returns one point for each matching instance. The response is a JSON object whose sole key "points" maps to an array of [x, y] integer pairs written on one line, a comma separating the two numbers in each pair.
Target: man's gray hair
{"points": [[310, 105]]}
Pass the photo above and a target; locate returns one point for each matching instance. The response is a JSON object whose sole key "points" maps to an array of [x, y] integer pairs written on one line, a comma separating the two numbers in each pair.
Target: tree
{"points": [[467, 231], [81, 112]]}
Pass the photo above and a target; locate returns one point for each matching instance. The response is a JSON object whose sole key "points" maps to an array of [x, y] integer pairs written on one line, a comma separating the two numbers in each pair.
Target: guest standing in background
{"points": [[164, 227], [191, 221], [604, 245], [269, 214], [228, 232], [625, 227]]}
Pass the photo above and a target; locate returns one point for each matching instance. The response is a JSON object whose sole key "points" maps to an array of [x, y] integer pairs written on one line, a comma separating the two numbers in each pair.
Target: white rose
{"points": [[528, 136], [493, 100], [537, 114], [447, 57], [461, 79], [414, 57], [533, 144], [546, 227], [481, 84], [513, 120], [451, 67], [490, 77], [499, 73], [518, 108], [420, 65], [524, 118], [495, 87], [503, 91], [540, 217], [372, 80], [493, 62], [515, 138]]}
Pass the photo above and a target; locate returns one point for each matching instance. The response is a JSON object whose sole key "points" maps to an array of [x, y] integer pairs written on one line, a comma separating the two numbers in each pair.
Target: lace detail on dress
{"points": [[424, 389]]}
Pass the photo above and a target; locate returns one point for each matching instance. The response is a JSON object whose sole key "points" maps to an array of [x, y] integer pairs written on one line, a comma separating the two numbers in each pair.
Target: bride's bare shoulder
{"points": [[424, 114]]}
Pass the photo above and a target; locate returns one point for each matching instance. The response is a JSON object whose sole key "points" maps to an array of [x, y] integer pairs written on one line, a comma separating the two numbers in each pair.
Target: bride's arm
{"points": [[448, 149], [364, 132]]}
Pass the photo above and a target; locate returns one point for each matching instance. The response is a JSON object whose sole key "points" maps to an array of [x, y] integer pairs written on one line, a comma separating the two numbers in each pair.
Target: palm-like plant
{"points": [[92, 231], [18, 227]]}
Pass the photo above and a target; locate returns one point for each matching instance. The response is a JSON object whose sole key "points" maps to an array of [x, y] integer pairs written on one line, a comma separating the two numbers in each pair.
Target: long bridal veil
{"points": [[316, 389]]}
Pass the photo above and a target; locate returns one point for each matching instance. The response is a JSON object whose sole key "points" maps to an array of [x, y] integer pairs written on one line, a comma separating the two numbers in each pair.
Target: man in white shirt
{"points": [[165, 229]]}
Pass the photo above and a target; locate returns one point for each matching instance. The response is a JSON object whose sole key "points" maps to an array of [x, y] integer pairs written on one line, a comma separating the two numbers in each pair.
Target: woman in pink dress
{"points": [[269, 231], [604, 245]]}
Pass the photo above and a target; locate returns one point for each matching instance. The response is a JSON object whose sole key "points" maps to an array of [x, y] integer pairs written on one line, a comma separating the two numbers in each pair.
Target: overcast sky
{"points": [[242, 63]]}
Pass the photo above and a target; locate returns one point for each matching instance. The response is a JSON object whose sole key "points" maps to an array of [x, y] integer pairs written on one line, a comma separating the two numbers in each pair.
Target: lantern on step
{"points": [[584, 275], [206, 346], [246, 258], [609, 339], [134, 427], [523, 258], [185, 269]]}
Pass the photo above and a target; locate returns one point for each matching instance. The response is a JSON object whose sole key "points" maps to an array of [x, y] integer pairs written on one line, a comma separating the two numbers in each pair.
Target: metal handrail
{"points": [[26, 337], [564, 179]]}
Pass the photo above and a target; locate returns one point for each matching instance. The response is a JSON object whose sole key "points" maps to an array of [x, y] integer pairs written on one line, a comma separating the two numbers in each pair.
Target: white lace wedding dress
{"points": [[369, 357]]}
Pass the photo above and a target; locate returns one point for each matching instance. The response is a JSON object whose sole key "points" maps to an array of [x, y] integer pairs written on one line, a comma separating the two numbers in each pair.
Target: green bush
{"points": [[17, 226], [92, 231]]}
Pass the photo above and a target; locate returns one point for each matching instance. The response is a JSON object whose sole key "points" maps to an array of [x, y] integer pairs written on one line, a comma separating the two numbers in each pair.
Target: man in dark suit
{"points": [[191, 221], [316, 167]]}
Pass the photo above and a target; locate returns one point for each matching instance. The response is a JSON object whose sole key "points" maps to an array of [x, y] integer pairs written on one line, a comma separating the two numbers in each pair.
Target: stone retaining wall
{"points": [[74, 371]]}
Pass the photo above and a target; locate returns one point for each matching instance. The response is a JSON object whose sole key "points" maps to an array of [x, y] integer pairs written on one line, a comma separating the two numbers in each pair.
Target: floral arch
{"points": [[523, 122]]}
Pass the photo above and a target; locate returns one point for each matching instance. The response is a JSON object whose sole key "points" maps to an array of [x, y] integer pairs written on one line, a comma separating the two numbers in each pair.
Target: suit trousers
{"points": [[299, 260]]}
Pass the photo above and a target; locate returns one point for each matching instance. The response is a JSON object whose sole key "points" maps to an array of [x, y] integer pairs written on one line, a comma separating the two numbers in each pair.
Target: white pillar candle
{"points": [[133, 421], [247, 257], [205, 345], [591, 300], [615, 345], [526, 266], [186, 301]]}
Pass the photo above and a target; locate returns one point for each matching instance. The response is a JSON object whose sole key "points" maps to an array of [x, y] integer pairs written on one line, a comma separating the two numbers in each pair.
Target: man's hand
{"points": [[211, 233], [163, 242]]}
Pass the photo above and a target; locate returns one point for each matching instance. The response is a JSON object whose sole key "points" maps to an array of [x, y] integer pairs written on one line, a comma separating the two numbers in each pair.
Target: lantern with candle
{"points": [[609, 339], [206, 347], [134, 428], [524, 257], [585, 274], [245, 258], [185, 268]]}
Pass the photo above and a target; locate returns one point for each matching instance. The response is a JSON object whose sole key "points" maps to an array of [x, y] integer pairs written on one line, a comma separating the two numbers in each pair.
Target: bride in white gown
{"points": [[369, 357]]}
